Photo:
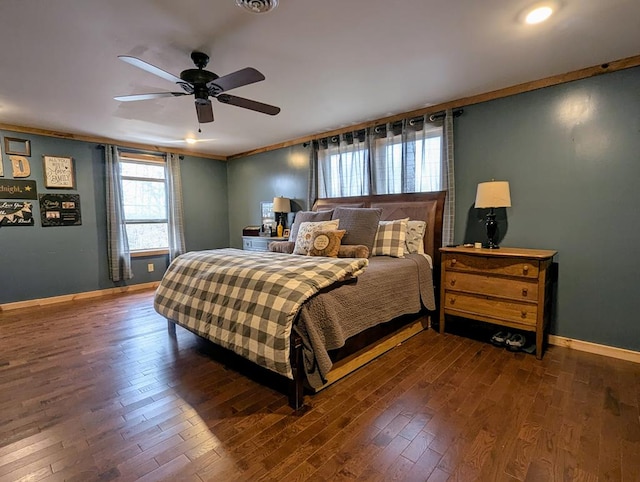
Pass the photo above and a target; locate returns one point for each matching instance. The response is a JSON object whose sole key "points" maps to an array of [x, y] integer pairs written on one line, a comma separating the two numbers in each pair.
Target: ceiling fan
{"points": [[203, 84]]}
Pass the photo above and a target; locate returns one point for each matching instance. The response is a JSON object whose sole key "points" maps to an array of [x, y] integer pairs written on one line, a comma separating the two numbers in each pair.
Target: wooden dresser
{"points": [[506, 286]]}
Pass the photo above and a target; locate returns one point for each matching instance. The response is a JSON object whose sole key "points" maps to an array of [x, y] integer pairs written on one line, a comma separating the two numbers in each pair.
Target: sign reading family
{"points": [[17, 189], [16, 213], [58, 172]]}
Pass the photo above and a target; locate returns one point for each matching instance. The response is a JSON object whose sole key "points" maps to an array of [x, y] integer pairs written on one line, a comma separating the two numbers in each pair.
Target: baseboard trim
{"points": [[78, 296], [610, 351]]}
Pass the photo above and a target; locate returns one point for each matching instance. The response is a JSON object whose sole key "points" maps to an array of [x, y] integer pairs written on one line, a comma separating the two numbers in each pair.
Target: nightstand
{"points": [[259, 243], [507, 286]]}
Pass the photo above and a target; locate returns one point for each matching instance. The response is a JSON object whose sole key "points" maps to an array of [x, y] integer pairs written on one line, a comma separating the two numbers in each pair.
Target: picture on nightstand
{"points": [[286, 233]]}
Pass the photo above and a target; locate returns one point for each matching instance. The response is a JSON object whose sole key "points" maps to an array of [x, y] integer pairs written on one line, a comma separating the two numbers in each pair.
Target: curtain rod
{"points": [[432, 118]]}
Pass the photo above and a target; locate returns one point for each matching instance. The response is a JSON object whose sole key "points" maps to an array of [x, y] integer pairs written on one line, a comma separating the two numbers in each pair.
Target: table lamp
{"points": [[281, 206], [492, 194]]}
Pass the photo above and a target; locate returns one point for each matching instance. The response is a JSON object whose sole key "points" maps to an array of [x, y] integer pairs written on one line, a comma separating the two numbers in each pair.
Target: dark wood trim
{"points": [[608, 67], [106, 140]]}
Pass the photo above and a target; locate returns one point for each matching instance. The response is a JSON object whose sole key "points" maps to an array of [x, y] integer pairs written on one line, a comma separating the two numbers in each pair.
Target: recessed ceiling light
{"points": [[539, 12]]}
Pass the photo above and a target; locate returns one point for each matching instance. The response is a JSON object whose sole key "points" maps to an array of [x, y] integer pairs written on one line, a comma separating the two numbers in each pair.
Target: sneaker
{"points": [[515, 342], [500, 338]]}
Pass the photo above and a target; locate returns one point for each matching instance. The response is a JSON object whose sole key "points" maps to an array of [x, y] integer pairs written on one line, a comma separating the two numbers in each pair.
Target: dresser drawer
{"points": [[517, 289], [491, 265], [469, 305]]}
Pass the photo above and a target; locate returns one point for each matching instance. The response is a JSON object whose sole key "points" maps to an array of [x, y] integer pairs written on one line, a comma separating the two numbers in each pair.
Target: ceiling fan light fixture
{"points": [[257, 6]]}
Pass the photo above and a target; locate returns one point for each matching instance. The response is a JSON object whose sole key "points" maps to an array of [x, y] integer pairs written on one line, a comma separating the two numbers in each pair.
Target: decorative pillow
{"points": [[390, 238], [361, 225], [353, 251], [282, 247], [308, 216], [326, 243], [414, 241], [306, 230]]}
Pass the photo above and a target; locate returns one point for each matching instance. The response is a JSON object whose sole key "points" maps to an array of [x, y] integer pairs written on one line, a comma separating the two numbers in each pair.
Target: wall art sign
{"points": [[17, 189], [19, 147], [16, 213], [20, 166], [60, 210], [58, 172]]}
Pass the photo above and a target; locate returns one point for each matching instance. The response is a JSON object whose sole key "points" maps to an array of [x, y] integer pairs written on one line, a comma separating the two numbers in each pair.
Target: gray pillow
{"points": [[308, 217], [361, 225]]}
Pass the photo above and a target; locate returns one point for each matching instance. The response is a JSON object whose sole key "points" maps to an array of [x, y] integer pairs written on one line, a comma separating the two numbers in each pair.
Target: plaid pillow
{"points": [[390, 238]]}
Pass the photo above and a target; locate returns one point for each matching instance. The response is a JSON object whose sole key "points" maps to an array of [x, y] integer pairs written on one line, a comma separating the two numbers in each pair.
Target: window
{"points": [[405, 156], [343, 167], [144, 193], [407, 159]]}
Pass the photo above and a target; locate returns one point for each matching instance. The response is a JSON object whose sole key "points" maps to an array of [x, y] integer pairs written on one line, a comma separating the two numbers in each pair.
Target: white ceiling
{"points": [[328, 63]]}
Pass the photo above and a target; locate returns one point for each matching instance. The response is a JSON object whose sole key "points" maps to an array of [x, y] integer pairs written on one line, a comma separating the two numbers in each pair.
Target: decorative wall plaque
{"points": [[17, 189], [16, 213], [60, 210]]}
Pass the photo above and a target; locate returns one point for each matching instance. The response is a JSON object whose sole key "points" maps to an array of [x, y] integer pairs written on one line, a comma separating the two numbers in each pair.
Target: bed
{"points": [[310, 319]]}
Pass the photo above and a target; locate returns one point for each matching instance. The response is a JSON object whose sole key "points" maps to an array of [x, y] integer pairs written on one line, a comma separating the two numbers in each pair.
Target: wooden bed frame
{"points": [[374, 342]]}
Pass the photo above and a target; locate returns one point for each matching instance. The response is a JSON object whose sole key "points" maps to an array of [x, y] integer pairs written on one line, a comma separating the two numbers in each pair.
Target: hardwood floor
{"points": [[97, 390]]}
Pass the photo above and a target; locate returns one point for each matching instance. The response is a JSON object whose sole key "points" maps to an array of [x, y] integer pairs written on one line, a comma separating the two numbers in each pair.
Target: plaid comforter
{"points": [[247, 301]]}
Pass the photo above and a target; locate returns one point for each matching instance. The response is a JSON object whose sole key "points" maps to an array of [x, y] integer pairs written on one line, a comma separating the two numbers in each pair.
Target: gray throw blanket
{"points": [[390, 287]]}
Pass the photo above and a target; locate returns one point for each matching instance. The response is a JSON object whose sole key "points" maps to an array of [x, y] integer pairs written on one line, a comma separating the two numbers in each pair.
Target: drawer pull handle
{"points": [[525, 269], [452, 301], [524, 313], [453, 262], [524, 291], [452, 282]]}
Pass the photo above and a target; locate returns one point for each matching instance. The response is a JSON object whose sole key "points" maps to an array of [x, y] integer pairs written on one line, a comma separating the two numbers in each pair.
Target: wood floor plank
{"points": [[96, 390]]}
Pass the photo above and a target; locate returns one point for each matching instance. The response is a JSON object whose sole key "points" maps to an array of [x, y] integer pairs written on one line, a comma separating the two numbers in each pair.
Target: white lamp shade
{"points": [[281, 205], [493, 194]]}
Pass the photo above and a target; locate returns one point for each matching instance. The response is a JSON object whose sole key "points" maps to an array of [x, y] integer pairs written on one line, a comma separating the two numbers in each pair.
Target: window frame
{"points": [[138, 158]]}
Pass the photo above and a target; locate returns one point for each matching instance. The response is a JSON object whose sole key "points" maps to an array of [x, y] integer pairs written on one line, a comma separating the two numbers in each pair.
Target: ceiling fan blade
{"points": [[236, 79], [204, 111], [152, 69], [248, 104], [157, 95]]}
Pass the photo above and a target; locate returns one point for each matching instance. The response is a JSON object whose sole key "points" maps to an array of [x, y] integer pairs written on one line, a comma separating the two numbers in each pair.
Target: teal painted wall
{"points": [[40, 262], [261, 177], [572, 156]]}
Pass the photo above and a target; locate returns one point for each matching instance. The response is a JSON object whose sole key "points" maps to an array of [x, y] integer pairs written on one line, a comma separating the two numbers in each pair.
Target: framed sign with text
{"points": [[16, 213], [58, 172], [60, 210]]}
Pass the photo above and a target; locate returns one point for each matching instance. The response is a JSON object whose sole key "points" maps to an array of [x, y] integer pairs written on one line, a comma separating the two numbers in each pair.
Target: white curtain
{"points": [[176, 212], [412, 155], [117, 243], [407, 156], [343, 165]]}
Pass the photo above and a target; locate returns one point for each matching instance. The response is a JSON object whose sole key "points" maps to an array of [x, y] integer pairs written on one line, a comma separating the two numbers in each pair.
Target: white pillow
{"points": [[390, 238], [414, 241], [307, 230]]}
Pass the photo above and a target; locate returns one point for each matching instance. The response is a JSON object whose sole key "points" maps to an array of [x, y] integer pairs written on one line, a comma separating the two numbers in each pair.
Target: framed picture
{"points": [[58, 172], [17, 147], [266, 213], [286, 233]]}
